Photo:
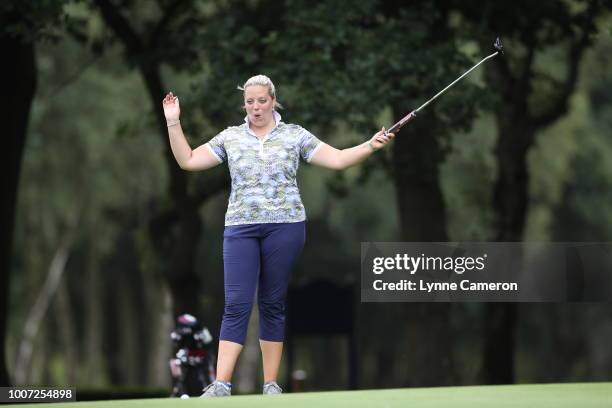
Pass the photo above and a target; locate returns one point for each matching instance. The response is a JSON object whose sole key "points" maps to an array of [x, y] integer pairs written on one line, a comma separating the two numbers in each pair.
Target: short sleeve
{"points": [[309, 144], [216, 145]]}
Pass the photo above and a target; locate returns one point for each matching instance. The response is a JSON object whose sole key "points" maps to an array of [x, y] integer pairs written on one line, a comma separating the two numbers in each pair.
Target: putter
{"points": [[500, 50]]}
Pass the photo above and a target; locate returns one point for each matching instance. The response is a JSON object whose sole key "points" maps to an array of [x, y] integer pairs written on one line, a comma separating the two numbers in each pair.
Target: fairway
{"points": [[583, 395]]}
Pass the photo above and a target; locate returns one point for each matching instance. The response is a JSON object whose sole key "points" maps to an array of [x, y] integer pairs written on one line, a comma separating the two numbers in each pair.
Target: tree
{"points": [[531, 97], [175, 230], [24, 24]]}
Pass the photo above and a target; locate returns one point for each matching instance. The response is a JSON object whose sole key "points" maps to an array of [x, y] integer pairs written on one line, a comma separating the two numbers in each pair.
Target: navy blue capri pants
{"points": [[258, 255]]}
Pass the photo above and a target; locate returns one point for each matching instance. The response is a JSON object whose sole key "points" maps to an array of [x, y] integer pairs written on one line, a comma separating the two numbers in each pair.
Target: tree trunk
{"points": [[93, 287], [510, 199], [68, 333], [510, 203], [500, 342], [178, 235], [20, 83], [36, 315], [416, 160], [160, 347]]}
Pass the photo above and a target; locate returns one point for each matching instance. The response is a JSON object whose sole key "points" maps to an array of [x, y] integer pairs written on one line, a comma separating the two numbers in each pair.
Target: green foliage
{"points": [[571, 166], [467, 177], [33, 20], [331, 62]]}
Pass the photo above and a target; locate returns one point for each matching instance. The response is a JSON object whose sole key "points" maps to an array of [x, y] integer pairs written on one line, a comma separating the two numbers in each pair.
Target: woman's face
{"points": [[259, 105]]}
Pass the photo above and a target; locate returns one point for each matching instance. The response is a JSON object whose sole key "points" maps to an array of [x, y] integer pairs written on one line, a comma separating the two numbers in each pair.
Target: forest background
{"points": [[105, 239]]}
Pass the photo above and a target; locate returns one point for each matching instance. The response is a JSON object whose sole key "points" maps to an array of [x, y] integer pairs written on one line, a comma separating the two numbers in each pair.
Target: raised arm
{"points": [[332, 158], [198, 159]]}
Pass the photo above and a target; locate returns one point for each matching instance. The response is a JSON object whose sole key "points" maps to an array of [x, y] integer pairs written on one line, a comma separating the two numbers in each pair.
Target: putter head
{"points": [[498, 46]]}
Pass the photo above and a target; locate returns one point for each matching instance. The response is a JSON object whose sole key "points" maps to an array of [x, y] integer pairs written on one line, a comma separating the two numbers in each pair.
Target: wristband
{"points": [[371, 146], [176, 122]]}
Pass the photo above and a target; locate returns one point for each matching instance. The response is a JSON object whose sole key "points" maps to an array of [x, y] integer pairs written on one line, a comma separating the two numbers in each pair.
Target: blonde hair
{"points": [[262, 80]]}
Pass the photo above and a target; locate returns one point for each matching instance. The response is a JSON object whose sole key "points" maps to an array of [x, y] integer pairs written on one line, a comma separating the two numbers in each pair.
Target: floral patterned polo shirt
{"points": [[263, 172]]}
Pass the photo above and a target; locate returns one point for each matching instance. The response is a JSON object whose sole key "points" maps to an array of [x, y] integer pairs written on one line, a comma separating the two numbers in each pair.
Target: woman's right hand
{"points": [[172, 110]]}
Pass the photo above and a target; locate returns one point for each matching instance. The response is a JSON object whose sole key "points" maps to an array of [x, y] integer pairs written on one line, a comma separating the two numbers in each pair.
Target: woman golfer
{"points": [[265, 218]]}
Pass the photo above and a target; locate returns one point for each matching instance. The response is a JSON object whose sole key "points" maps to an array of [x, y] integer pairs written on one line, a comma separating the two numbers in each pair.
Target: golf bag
{"points": [[192, 366]]}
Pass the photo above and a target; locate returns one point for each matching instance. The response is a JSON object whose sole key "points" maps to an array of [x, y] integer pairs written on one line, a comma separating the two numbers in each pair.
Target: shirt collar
{"points": [[277, 118]]}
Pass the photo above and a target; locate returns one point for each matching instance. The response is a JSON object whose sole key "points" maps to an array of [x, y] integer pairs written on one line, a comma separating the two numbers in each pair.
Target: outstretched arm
{"points": [[336, 159], [198, 159]]}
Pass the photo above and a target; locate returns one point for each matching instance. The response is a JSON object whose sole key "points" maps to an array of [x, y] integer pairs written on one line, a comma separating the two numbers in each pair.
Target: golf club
{"points": [[499, 50]]}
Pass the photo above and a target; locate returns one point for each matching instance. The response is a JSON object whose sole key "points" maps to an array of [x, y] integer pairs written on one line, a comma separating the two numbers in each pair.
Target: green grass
{"points": [[582, 395]]}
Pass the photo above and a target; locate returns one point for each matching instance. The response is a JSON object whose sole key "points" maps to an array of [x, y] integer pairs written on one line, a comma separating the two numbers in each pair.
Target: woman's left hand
{"points": [[380, 139]]}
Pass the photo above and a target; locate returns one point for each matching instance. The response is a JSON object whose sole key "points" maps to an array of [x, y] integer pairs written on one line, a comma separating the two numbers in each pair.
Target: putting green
{"points": [[583, 395]]}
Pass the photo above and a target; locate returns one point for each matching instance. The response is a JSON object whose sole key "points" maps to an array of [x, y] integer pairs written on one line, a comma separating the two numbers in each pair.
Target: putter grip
{"points": [[402, 122]]}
